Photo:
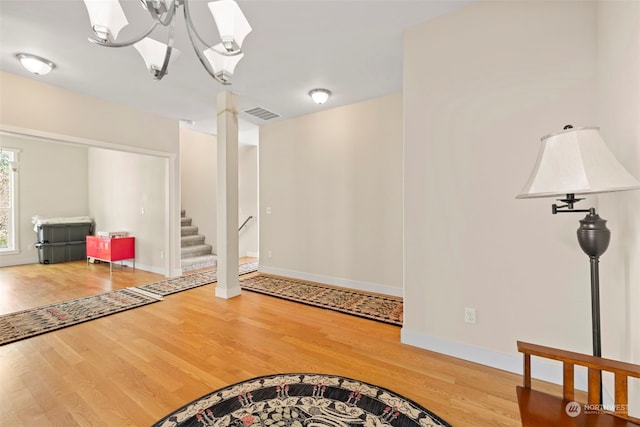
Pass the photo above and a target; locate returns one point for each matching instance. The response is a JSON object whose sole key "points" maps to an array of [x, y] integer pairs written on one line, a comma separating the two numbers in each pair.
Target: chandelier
{"points": [[107, 19]]}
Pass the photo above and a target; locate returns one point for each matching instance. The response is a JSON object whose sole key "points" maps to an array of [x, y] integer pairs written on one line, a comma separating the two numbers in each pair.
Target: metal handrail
{"points": [[245, 223]]}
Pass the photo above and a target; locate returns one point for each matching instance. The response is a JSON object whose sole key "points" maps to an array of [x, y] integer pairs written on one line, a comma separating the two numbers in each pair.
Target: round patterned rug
{"points": [[302, 400]]}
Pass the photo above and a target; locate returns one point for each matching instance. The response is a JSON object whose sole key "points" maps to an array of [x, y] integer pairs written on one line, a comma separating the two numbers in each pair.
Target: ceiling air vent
{"points": [[261, 113]]}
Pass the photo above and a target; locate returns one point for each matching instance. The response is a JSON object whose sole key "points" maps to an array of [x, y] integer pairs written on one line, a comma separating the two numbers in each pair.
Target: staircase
{"points": [[194, 252]]}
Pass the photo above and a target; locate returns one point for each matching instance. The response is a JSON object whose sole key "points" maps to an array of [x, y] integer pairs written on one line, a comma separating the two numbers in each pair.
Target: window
{"points": [[8, 196]]}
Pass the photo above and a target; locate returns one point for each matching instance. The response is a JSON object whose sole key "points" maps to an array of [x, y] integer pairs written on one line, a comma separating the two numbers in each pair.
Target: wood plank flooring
{"points": [[132, 368]]}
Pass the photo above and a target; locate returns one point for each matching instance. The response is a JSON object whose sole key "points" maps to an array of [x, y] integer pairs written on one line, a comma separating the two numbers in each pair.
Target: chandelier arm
{"points": [[167, 56], [205, 63], [191, 31], [190, 26], [169, 21], [158, 17], [225, 52], [126, 43]]}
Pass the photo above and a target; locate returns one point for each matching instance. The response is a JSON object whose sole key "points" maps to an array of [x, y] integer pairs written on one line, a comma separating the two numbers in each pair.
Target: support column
{"points": [[227, 223]]}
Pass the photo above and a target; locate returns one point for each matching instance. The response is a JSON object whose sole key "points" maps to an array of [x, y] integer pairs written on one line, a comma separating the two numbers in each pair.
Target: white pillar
{"points": [[227, 224]]}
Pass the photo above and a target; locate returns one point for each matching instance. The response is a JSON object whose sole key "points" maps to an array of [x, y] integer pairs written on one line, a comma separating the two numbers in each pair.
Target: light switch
{"points": [[268, 211]]}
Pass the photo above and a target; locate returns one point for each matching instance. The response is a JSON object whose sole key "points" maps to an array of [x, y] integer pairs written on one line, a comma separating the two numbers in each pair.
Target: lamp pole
{"points": [[594, 237]]}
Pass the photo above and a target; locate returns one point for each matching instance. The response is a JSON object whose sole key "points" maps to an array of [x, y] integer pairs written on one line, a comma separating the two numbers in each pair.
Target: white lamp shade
{"points": [[223, 66], [576, 161], [232, 25], [35, 64], [107, 18], [153, 52], [320, 96]]}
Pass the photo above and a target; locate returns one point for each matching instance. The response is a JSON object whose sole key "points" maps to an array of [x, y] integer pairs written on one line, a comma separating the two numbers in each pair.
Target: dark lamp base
{"points": [[593, 234]]}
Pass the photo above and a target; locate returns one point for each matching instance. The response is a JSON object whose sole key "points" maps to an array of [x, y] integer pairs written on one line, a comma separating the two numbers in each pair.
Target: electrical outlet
{"points": [[469, 315], [269, 254]]}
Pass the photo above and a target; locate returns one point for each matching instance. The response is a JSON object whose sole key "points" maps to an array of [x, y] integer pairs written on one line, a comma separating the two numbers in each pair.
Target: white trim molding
{"points": [[544, 371], [335, 281], [171, 265]]}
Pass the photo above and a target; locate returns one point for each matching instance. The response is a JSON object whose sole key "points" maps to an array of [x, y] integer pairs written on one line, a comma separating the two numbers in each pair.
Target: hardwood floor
{"points": [[28, 286], [132, 368]]}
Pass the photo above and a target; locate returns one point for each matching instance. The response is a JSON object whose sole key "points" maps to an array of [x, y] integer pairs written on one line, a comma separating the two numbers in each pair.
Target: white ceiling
{"points": [[353, 48]]}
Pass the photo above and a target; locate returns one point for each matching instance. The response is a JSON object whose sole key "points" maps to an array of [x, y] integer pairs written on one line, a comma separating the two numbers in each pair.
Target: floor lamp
{"points": [[572, 162]]}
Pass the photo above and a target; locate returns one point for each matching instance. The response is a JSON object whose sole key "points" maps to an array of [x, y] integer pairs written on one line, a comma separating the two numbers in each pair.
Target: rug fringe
{"points": [[146, 293]]}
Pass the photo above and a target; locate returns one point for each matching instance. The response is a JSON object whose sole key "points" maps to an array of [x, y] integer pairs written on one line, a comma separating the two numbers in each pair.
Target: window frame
{"points": [[13, 235]]}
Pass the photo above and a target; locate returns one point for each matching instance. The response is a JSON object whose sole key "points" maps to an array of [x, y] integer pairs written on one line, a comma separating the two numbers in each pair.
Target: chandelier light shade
{"points": [[219, 59], [576, 161], [35, 64], [320, 96], [107, 18], [233, 27], [223, 65], [153, 53]]}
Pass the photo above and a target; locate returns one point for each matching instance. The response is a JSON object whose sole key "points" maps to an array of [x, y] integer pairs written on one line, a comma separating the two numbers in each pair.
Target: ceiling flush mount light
{"points": [[35, 64], [320, 96], [573, 162], [219, 60]]}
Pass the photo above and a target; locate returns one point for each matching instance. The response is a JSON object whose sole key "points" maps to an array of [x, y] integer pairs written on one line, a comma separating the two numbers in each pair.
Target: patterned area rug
{"points": [[40, 320], [384, 308], [36, 321], [194, 280], [302, 400]]}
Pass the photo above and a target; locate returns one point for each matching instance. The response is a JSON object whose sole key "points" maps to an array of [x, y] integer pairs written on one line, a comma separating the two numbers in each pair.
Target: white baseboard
{"points": [[128, 264], [335, 281], [23, 260], [545, 371], [253, 254], [9, 260], [153, 269]]}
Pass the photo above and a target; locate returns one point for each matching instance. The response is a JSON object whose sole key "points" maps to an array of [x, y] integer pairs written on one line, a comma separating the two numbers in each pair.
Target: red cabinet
{"points": [[111, 249]]}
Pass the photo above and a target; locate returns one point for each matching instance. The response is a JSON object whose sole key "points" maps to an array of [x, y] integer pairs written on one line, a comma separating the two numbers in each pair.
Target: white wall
{"points": [[248, 199], [333, 182], [127, 193], [198, 160], [52, 182], [481, 87], [619, 117], [34, 105]]}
